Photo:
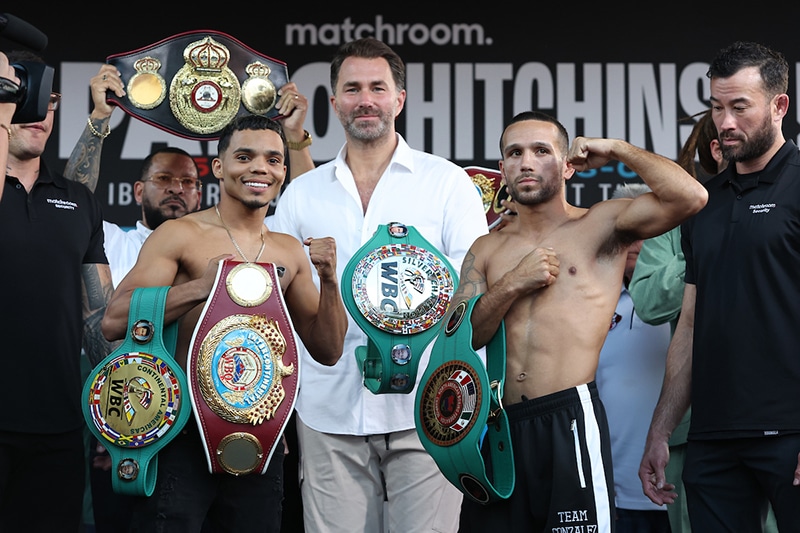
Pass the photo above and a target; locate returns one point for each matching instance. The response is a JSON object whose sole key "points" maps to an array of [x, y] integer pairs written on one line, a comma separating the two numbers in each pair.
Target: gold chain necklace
{"points": [[235, 244]]}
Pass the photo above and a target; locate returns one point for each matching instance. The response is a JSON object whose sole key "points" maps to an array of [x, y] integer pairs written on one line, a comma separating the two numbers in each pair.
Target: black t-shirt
{"points": [[743, 255], [45, 238]]}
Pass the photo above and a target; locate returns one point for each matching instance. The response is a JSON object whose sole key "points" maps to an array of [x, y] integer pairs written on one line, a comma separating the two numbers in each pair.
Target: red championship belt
{"points": [[243, 368], [193, 83], [489, 185]]}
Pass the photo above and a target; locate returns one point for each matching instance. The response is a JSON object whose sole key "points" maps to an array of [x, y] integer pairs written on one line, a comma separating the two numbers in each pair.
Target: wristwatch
{"points": [[306, 142]]}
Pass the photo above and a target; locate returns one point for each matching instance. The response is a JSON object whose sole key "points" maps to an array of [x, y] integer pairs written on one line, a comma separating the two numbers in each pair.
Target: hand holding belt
{"points": [[397, 287], [210, 78], [458, 404], [243, 368], [134, 400]]}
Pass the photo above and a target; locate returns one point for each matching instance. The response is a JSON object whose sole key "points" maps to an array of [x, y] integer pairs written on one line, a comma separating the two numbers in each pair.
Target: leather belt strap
{"points": [[397, 287], [193, 83], [134, 400], [243, 368], [459, 404]]}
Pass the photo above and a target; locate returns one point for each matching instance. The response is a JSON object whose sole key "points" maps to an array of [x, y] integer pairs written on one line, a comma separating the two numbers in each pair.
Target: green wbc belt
{"points": [[458, 406], [136, 400], [397, 287]]}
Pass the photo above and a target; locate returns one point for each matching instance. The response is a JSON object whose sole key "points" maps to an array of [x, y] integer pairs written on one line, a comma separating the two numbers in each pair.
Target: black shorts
{"points": [[562, 463]]}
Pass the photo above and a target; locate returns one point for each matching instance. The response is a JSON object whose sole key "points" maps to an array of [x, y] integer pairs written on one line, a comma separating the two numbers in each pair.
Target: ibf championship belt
{"points": [[397, 287], [243, 368], [134, 400], [192, 84], [458, 405], [492, 191]]}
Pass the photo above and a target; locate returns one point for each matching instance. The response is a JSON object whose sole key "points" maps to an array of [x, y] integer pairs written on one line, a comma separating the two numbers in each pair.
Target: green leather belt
{"points": [[459, 404], [397, 287], [134, 400]]}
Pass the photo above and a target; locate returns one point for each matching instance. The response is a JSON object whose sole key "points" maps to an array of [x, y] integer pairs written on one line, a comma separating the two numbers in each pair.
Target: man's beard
{"points": [[548, 190], [255, 203], [362, 133], [155, 216], [756, 146]]}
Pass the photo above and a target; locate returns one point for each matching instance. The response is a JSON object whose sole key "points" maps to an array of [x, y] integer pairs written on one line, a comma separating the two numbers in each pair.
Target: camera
{"points": [[35, 86], [33, 92], [36, 78]]}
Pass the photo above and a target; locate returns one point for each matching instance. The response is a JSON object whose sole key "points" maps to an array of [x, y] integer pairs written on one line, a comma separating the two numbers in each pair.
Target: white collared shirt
{"points": [[122, 247], [418, 189]]}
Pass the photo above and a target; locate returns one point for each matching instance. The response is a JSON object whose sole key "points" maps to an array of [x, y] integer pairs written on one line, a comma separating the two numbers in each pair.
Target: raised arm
{"points": [[319, 317], [83, 164], [675, 195], [293, 107]]}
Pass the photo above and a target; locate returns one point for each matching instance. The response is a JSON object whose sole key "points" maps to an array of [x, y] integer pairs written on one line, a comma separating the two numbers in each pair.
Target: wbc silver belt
{"points": [[397, 287]]}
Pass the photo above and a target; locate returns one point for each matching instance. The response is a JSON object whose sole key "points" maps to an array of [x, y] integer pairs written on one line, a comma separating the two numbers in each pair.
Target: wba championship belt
{"points": [[397, 287], [192, 84], [492, 191], [243, 368], [459, 404], [134, 401]]}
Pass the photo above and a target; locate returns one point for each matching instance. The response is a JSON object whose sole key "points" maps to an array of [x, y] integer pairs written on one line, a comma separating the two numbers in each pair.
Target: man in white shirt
{"points": [[359, 448]]}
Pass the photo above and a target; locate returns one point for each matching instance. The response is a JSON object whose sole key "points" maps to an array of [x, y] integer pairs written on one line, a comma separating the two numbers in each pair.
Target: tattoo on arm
{"points": [[83, 164], [472, 282], [97, 290]]}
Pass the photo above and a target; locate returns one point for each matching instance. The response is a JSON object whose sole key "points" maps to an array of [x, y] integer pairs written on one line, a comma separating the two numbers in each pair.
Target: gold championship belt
{"points": [[243, 368], [490, 186], [135, 400], [192, 84]]}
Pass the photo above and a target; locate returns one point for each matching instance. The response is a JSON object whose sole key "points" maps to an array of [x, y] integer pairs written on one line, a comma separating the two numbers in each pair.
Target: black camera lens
{"points": [[35, 86]]}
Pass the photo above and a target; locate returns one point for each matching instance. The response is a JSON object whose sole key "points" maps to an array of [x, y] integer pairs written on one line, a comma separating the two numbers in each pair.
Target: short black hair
{"points": [[542, 117], [771, 65], [249, 122]]}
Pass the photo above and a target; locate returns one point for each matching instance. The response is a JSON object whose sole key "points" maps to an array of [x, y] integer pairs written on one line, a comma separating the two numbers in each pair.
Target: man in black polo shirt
{"points": [[54, 281], [734, 354]]}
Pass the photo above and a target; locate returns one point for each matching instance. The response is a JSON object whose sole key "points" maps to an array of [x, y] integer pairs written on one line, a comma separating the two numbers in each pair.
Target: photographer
{"points": [[55, 285]]}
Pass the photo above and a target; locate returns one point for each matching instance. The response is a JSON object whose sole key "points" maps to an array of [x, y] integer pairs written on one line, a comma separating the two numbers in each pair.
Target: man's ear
{"points": [[216, 167], [569, 171], [138, 191]]}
